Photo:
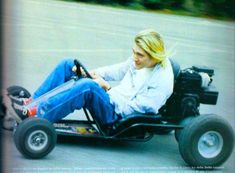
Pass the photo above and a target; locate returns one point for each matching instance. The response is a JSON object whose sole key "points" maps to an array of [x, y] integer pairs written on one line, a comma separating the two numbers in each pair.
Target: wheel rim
{"points": [[210, 144], [37, 140]]}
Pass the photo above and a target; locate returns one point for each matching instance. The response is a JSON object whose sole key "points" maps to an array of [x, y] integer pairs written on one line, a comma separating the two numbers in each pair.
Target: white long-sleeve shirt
{"points": [[149, 93]]}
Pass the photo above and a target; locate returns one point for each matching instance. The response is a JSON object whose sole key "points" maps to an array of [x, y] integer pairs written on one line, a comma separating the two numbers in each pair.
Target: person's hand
{"points": [[97, 78], [74, 69], [104, 84], [94, 75]]}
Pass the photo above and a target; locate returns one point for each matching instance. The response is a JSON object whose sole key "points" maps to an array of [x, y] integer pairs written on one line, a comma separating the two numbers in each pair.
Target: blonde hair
{"points": [[152, 43]]}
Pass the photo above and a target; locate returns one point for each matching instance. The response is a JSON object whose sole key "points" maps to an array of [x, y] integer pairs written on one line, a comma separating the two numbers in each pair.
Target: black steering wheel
{"points": [[79, 65]]}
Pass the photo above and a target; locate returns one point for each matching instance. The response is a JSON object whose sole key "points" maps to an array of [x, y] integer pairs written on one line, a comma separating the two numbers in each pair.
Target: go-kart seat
{"points": [[144, 118], [133, 119], [175, 68]]}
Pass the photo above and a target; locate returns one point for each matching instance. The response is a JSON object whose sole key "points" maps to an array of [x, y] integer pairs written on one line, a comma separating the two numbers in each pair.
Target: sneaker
{"points": [[20, 101], [30, 112], [27, 100]]}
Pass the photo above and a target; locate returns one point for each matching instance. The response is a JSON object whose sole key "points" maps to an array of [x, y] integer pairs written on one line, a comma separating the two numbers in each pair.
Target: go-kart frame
{"points": [[205, 141]]}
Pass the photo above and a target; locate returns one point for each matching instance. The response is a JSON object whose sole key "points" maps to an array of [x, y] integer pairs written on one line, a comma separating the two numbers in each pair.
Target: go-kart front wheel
{"points": [[35, 137], [206, 142]]}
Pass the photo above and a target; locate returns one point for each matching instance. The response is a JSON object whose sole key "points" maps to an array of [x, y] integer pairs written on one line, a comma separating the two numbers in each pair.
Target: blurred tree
{"points": [[162, 4], [206, 7], [123, 2], [216, 7]]}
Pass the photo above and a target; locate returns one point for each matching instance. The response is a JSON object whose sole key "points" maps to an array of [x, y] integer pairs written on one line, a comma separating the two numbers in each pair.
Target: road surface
{"points": [[38, 34]]}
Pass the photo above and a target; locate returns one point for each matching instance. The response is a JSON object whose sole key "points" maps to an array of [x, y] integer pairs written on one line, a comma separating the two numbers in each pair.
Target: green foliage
{"points": [[162, 4], [224, 8], [216, 7]]}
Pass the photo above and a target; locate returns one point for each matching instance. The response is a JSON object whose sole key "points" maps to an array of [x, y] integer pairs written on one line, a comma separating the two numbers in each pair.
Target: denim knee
{"points": [[88, 83], [67, 62]]}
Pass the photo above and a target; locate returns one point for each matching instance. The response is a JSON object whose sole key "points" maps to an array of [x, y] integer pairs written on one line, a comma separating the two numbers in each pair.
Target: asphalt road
{"points": [[38, 34]]}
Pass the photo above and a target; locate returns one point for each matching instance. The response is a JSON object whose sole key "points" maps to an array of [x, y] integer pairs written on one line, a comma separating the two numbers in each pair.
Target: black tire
{"points": [[18, 91], [184, 123], [35, 137], [207, 142]]}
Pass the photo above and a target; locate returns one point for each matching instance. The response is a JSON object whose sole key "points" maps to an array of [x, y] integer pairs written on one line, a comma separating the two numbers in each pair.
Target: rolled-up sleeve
{"points": [[114, 72]]}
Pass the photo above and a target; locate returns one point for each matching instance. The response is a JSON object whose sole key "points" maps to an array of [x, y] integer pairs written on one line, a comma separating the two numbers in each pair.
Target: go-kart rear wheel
{"points": [[18, 91], [35, 137], [206, 142]]}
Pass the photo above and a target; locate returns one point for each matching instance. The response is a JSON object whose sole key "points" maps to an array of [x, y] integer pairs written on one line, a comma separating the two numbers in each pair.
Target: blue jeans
{"points": [[85, 93]]}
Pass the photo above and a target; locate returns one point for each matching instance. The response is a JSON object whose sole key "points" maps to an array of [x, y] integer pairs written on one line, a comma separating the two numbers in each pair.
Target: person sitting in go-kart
{"points": [[146, 82]]}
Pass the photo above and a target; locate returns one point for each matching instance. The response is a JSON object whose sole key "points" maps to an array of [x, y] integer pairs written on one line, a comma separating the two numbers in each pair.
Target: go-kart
{"points": [[205, 141]]}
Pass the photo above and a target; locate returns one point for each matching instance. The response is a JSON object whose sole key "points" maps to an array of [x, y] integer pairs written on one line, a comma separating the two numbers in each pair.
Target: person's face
{"points": [[142, 59]]}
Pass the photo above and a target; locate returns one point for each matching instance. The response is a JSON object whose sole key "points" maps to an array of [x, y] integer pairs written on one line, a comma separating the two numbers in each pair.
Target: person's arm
{"points": [[104, 84], [149, 101], [156, 93], [114, 72], [110, 73]]}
